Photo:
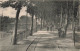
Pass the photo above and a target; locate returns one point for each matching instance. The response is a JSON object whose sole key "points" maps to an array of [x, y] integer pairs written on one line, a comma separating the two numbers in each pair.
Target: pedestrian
{"points": [[47, 27], [59, 32], [51, 28]]}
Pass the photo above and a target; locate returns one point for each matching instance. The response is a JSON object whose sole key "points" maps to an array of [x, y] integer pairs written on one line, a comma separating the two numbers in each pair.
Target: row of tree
{"points": [[18, 6], [60, 13]]}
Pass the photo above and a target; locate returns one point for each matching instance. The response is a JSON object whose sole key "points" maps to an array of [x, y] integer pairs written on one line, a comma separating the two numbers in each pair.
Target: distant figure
{"points": [[47, 28], [59, 32], [63, 31], [51, 28]]}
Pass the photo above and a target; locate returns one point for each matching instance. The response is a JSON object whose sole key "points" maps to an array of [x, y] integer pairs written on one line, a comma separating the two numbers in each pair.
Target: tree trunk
{"points": [[41, 23], [65, 30], [36, 24], [44, 20], [32, 25], [0, 23], [25, 35], [79, 15], [59, 30], [16, 25], [79, 12], [61, 16], [74, 22], [66, 25], [67, 19], [74, 30], [74, 34]]}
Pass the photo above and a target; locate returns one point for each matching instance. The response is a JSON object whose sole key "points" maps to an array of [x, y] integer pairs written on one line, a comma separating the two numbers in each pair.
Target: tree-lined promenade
{"points": [[60, 15]]}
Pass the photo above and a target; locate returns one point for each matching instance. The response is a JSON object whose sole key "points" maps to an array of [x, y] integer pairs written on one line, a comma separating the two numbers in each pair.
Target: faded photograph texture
{"points": [[39, 25]]}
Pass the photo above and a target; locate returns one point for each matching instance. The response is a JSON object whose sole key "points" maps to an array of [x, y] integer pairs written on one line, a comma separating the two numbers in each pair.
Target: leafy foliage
{"points": [[5, 4], [31, 9], [13, 4]]}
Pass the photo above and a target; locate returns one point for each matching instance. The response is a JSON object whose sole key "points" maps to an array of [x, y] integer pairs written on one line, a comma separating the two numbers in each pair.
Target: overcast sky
{"points": [[11, 12]]}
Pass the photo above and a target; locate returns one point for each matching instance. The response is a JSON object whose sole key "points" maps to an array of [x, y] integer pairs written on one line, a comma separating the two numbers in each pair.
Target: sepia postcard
{"points": [[39, 25]]}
